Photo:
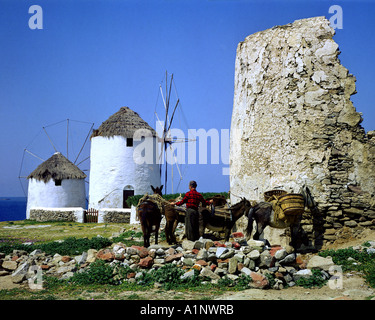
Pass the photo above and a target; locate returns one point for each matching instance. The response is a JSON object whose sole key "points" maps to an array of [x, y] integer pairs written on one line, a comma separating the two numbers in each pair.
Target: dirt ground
{"points": [[6, 283], [352, 287]]}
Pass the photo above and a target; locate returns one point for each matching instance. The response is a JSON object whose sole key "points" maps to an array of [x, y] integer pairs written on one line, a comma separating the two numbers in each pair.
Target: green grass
{"points": [[168, 277], [316, 280], [107, 282], [70, 246], [27, 230], [359, 261]]}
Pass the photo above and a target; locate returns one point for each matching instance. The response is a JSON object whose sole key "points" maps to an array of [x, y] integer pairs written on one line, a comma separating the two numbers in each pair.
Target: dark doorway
{"points": [[126, 195]]}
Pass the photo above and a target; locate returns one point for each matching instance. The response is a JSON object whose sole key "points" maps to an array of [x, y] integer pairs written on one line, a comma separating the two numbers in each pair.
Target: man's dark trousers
{"points": [[192, 224]]}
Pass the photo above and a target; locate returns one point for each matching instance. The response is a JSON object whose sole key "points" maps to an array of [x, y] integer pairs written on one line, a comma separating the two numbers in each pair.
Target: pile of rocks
{"points": [[214, 260]]}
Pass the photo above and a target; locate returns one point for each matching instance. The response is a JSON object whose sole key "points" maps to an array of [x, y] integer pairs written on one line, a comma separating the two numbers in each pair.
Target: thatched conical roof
{"points": [[57, 168], [123, 123]]}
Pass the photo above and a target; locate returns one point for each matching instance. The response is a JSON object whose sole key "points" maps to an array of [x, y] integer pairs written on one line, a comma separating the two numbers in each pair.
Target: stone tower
{"points": [[293, 124]]}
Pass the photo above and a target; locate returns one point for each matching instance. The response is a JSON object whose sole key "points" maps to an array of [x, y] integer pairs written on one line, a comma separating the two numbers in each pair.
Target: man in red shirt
{"points": [[192, 199]]}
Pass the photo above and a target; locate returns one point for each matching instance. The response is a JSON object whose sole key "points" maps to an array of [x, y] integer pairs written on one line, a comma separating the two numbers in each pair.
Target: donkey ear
{"points": [[153, 189], [161, 188]]}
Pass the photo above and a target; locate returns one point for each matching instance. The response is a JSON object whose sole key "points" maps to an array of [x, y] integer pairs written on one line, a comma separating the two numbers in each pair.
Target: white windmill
{"points": [[53, 179], [116, 170]]}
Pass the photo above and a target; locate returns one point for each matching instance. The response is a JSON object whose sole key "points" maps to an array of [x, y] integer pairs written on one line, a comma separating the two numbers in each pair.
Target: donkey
{"points": [[149, 216], [157, 190], [264, 216], [171, 217], [220, 224]]}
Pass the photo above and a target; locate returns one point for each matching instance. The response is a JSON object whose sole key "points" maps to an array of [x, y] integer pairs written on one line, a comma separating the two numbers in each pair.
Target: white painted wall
{"points": [[112, 168], [71, 193], [133, 216]]}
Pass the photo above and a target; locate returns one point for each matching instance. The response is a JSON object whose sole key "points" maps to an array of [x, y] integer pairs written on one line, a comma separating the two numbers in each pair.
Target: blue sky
{"points": [[93, 57]]}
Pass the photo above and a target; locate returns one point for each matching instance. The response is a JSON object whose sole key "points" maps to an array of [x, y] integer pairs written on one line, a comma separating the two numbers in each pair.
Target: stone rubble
{"points": [[214, 260]]}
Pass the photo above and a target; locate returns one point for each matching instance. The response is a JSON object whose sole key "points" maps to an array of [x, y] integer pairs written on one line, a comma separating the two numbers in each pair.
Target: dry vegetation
{"points": [[29, 231]]}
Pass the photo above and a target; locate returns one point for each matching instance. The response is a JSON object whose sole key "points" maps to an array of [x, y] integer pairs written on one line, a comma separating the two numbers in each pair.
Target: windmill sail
{"points": [[167, 152], [68, 137]]}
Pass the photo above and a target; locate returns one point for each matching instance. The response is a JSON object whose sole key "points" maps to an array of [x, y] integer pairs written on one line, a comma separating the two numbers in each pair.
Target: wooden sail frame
{"points": [[166, 140], [27, 150]]}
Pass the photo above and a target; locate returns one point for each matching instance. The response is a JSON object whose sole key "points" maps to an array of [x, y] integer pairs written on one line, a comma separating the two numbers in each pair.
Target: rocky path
{"points": [[354, 288], [214, 260]]}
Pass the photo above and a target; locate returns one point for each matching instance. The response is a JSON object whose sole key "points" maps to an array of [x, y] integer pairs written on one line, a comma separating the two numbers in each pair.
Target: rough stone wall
{"points": [[111, 215], [293, 124], [57, 214]]}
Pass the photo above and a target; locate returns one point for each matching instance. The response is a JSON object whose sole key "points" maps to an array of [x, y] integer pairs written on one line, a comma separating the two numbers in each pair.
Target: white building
{"points": [[117, 161], [56, 183]]}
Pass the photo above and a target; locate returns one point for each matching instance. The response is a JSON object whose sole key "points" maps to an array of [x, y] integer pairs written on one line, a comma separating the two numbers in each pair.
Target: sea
{"points": [[12, 208]]}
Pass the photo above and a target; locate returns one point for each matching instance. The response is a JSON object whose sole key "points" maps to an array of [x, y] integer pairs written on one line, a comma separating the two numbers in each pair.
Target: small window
{"points": [[129, 142], [57, 182]]}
